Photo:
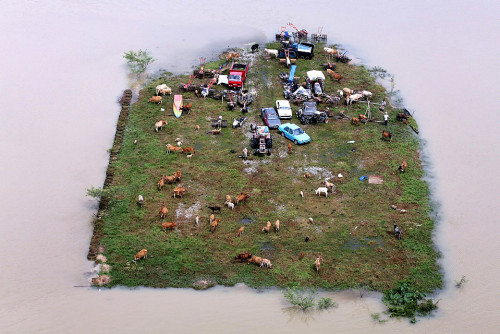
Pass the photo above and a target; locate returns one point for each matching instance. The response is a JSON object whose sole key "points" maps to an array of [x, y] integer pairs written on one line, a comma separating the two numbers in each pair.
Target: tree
{"points": [[138, 61]]}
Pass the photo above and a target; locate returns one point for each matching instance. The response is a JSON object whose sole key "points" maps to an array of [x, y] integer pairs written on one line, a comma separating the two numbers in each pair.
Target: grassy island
{"points": [[352, 228]]}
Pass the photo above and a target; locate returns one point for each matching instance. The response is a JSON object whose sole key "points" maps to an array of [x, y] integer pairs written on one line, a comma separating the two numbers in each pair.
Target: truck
{"points": [[237, 75], [304, 50], [262, 142]]}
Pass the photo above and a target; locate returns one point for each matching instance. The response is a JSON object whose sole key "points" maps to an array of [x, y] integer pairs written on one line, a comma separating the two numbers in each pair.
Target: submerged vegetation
{"points": [[138, 61], [351, 229]]}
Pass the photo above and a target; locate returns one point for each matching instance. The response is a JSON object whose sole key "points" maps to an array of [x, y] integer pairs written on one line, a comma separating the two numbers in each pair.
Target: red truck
{"points": [[237, 75]]}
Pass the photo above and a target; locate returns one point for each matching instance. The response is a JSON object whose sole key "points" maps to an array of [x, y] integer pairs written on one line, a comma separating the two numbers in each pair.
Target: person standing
{"points": [[382, 105], [386, 118]]}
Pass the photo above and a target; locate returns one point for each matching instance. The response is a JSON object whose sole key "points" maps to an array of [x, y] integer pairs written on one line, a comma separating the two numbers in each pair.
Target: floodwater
{"points": [[62, 71]]}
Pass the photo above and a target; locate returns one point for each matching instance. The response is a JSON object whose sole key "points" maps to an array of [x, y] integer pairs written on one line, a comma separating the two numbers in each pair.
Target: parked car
{"points": [[284, 109], [309, 114], [294, 133], [270, 117]]}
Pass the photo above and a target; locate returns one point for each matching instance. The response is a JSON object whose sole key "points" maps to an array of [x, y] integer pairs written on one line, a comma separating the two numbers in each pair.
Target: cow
{"points": [[240, 231], [159, 125], [271, 52], [155, 99], [241, 197], [163, 212], [214, 225], [177, 175], [169, 179], [266, 263], [334, 76], [172, 148], [322, 190], [403, 166], [352, 98], [386, 135], [188, 150], [267, 228], [165, 91], [255, 259], [160, 87], [142, 254], [243, 256], [161, 183], [179, 191], [317, 263], [170, 226]]}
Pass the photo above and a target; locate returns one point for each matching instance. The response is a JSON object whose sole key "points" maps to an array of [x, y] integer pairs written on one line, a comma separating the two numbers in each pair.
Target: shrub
{"points": [[300, 298], [138, 61]]}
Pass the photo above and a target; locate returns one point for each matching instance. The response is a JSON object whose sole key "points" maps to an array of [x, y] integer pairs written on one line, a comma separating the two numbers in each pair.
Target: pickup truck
{"points": [[237, 75]]}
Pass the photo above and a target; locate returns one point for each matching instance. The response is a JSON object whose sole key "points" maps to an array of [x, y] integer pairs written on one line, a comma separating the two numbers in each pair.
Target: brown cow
{"points": [[241, 197], [214, 225], [243, 256], [142, 254], [289, 148], [161, 183], [386, 135], [334, 76], [179, 191], [240, 231], [255, 259], [169, 179], [403, 166], [178, 175], [188, 150], [171, 148], [267, 228], [187, 108], [317, 263], [170, 226], [155, 99], [163, 212]]}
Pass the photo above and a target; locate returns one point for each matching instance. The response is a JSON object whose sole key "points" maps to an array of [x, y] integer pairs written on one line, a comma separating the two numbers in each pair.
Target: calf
{"points": [[241, 197], [243, 256], [240, 231], [266, 263], [403, 166], [317, 263], [163, 212], [255, 259], [159, 125], [386, 135], [155, 99], [267, 228], [214, 225], [170, 226], [322, 190], [179, 191], [142, 254]]}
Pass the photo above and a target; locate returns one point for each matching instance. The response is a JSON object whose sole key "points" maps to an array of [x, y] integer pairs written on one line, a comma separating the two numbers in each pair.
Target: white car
{"points": [[284, 110]]}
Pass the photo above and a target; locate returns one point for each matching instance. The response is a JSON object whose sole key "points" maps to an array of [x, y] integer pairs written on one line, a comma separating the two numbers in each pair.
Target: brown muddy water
{"points": [[62, 71]]}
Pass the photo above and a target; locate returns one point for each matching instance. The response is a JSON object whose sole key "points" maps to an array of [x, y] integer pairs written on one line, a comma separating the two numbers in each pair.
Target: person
{"points": [[245, 153], [386, 118], [382, 105]]}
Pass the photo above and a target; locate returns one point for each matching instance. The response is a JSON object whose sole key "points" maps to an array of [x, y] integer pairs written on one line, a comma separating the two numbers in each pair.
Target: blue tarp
{"points": [[292, 73]]}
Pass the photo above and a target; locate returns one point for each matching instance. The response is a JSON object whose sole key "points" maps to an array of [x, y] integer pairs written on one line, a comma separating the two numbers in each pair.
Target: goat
{"points": [[386, 135], [140, 201], [398, 232], [267, 228], [163, 212], [329, 185], [142, 254], [271, 52], [170, 226], [240, 231], [322, 190], [160, 124], [277, 226], [155, 99], [403, 166]]}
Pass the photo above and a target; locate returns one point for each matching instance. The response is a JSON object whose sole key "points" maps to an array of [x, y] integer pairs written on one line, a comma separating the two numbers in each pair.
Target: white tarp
{"points": [[222, 80], [315, 75]]}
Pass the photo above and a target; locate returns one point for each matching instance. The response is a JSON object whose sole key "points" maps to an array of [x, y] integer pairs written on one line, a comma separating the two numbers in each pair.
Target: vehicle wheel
{"points": [[256, 151], [326, 120], [282, 134], [268, 152], [296, 142]]}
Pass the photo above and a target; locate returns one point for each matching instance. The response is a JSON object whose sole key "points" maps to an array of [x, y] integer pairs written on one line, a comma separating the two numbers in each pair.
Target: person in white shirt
{"points": [[386, 118]]}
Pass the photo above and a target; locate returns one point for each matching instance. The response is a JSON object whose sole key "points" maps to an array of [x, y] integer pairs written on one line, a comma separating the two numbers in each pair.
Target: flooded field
{"points": [[62, 74]]}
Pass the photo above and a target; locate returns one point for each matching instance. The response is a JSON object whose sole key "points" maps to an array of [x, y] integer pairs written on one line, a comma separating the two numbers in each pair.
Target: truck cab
{"points": [[237, 75]]}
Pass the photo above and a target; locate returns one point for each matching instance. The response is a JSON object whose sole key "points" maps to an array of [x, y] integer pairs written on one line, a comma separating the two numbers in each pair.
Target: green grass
{"points": [[351, 228]]}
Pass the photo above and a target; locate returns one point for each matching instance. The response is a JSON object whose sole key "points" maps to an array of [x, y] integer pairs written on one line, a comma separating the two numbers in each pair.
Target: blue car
{"points": [[294, 133]]}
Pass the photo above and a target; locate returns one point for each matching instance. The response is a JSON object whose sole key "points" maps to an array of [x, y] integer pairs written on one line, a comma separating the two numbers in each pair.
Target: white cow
{"points": [[322, 190], [160, 87], [272, 52]]}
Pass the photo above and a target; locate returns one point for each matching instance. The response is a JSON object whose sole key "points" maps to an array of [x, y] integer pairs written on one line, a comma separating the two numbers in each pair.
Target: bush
{"points": [[299, 298], [138, 61], [326, 303], [404, 302]]}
